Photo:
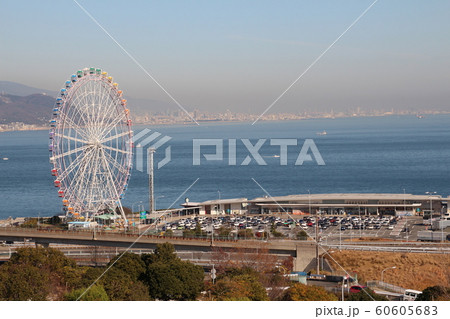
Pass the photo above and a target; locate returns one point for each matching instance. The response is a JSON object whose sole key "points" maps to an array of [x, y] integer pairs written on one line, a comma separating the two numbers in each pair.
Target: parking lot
{"points": [[331, 228], [389, 227]]}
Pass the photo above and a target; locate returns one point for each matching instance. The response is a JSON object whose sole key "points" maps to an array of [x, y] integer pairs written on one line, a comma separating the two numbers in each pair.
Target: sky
{"points": [[239, 55]]}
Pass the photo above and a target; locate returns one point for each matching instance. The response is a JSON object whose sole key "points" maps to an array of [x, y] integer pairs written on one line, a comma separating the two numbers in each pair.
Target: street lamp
{"points": [[161, 196], [393, 267], [132, 206]]}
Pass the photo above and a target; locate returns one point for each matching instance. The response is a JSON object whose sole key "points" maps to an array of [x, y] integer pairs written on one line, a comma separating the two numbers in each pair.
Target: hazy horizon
{"points": [[239, 55]]}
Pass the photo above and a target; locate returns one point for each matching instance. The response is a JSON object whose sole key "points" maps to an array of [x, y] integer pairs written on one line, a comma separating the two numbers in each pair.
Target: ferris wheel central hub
{"points": [[95, 142]]}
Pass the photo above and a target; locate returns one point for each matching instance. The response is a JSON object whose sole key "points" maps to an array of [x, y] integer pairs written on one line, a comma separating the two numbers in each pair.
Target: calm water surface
{"points": [[382, 154]]}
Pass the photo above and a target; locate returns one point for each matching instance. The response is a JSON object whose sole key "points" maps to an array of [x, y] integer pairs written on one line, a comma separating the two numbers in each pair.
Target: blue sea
{"points": [[361, 155]]}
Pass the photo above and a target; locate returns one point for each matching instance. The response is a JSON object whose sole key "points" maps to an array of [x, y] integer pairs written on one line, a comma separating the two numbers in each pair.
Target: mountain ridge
{"points": [[30, 105]]}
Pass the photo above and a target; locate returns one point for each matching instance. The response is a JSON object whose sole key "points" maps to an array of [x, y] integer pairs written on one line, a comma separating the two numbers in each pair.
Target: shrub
{"points": [[435, 293], [301, 292]]}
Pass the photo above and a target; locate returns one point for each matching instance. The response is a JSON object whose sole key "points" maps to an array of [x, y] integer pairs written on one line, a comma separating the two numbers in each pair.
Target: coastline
{"points": [[219, 121]]}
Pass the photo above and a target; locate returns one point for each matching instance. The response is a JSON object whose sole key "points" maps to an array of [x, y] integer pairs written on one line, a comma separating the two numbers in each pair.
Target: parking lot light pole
{"points": [[360, 230], [406, 215], [431, 203], [218, 204], [393, 267], [316, 233]]}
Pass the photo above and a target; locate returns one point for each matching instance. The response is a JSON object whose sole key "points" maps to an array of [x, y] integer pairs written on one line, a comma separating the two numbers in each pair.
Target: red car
{"points": [[357, 288]]}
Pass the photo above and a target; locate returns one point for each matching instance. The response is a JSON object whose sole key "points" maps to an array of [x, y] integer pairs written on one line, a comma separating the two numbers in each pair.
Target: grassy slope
{"points": [[414, 270]]}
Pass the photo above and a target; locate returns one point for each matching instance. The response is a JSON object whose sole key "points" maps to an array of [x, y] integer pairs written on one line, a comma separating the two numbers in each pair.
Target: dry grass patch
{"points": [[414, 270]]}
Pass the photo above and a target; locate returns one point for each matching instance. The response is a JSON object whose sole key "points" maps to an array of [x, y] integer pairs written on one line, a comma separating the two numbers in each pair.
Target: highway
{"points": [[302, 251], [195, 249]]}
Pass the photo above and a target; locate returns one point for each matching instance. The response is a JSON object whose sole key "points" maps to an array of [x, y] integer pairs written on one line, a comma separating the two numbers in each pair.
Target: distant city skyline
{"points": [[239, 55]]}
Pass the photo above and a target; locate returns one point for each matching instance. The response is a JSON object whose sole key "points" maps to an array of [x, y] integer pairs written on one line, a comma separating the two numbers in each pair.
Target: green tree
{"points": [[122, 287], [129, 263], [301, 292], [275, 232], [163, 253], [55, 220], [24, 282], [45, 258], [36, 274], [302, 235], [170, 278], [190, 233], [273, 227], [95, 293], [73, 276], [126, 210], [168, 232], [89, 275], [122, 281], [30, 223], [239, 284], [245, 233], [224, 231], [3, 283], [435, 293]]}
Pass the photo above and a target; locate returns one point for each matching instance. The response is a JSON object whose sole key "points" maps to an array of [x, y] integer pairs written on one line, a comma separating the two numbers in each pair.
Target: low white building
{"points": [[81, 225], [218, 206]]}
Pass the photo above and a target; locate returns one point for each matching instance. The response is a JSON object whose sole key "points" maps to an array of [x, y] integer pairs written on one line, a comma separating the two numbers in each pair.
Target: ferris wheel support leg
{"points": [[122, 212]]}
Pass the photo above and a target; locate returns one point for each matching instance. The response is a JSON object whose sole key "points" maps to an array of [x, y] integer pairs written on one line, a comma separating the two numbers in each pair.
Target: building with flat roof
{"points": [[348, 203], [218, 206], [332, 204]]}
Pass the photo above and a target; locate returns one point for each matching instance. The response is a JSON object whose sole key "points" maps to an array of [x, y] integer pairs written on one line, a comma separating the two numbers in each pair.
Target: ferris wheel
{"points": [[91, 145]]}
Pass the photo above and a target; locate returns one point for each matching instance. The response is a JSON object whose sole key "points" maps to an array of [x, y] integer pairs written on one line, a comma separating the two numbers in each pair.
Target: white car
{"points": [[391, 227], [411, 295]]}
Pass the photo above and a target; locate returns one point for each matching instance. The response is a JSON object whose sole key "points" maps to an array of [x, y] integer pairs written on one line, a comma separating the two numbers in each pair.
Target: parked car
{"points": [[357, 288], [411, 295]]}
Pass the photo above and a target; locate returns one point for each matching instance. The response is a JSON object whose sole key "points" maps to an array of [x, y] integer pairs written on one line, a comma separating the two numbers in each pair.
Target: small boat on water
{"points": [[5, 158], [322, 133]]}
